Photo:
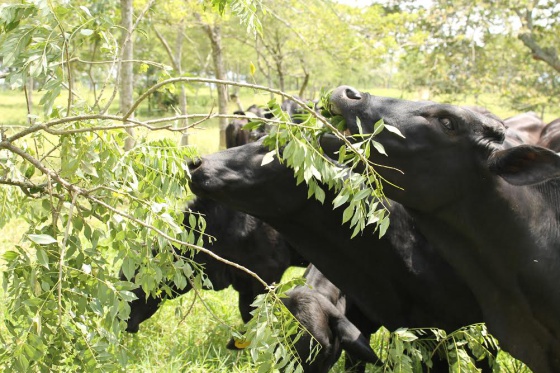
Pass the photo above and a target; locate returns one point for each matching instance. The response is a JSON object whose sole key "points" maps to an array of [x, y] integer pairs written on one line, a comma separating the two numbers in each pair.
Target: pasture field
{"points": [[189, 334]]}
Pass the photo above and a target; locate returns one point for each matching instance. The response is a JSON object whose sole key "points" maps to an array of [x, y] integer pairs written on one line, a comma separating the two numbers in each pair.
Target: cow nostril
{"points": [[353, 94]]}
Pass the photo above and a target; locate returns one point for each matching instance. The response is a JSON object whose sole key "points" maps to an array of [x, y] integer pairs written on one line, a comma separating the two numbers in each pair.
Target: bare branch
{"points": [[25, 186], [163, 40], [63, 254]]}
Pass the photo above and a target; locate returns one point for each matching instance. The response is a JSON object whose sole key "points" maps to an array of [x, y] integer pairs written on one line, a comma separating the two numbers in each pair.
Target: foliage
{"points": [[474, 47], [273, 331], [410, 349], [298, 146], [65, 306], [90, 206]]}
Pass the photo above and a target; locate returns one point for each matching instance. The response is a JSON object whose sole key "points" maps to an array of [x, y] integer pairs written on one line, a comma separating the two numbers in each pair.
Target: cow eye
{"points": [[447, 123]]}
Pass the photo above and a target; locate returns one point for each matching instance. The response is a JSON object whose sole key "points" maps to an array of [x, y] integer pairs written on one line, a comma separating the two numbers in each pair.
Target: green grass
{"points": [[187, 336]]}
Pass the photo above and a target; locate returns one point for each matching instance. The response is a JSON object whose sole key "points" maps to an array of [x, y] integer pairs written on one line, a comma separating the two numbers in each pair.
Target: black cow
{"points": [[236, 135], [550, 136], [524, 128], [294, 110], [492, 212], [242, 239], [321, 307], [396, 281]]}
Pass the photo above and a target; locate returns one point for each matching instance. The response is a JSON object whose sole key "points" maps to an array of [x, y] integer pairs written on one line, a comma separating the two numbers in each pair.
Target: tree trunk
{"points": [[176, 62], [280, 76], [269, 78], [304, 85], [127, 75], [183, 92], [279, 60], [28, 88], [215, 35], [235, 98], [305, 79]]}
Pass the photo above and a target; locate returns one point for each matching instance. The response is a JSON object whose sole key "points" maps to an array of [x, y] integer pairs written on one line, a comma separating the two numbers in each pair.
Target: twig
{"points": [[190, 307], [62, 254], [197, 294]]}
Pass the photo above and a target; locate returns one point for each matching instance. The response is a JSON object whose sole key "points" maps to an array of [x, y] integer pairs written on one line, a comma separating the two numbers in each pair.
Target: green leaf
{"points": [[41, 239], [383, 225], [394, 130], [128, 267], [320, 194], [379, 147], [10, 255], [378, 127], [86, 10], [340, 200], [127, 296], [43, 258], [347, 214], [405, 335], [268, 157], [86, 32], [362, 194]]}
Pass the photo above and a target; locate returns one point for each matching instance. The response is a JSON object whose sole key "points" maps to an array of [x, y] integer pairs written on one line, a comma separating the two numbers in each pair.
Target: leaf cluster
{"points": [[297, 145], [273, 331], [409, 350]]}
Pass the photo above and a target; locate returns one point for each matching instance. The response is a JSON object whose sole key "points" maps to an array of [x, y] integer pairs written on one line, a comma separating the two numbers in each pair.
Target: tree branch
{"points": [[176, 241], [167, 48], [547, 55], [77, 191]]}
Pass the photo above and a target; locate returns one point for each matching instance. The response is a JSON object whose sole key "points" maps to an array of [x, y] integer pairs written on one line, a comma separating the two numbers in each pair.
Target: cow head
{"points": [[446, 151], [237, 178]]}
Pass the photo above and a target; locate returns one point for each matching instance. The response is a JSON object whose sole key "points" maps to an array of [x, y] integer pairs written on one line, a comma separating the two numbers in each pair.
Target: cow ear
{"points": [[353, 341], [525, 165]]}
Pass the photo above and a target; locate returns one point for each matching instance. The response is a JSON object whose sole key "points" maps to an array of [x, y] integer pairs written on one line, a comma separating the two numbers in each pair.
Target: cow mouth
{"points": [[199, 182], [132, 329]]}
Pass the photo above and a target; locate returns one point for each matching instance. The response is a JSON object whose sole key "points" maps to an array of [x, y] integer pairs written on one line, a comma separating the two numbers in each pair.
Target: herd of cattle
{"points": [[474, 234]]}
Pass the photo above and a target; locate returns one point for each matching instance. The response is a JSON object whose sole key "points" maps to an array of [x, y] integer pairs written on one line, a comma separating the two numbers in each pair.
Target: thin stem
{"points": [[62, 255]]}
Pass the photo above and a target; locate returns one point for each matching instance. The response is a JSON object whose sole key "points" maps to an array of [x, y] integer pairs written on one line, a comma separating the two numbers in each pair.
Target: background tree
{"points": [[474, 47], [175, 17], [126, 65], [213, 29]]}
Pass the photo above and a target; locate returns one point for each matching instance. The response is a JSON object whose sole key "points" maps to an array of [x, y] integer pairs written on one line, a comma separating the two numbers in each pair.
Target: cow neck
{"points": [[401, 276], [492, 243], [310, 232]]}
